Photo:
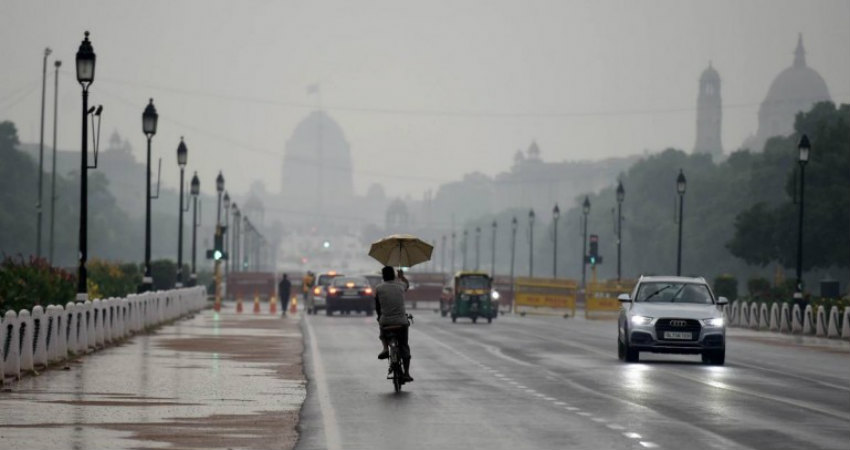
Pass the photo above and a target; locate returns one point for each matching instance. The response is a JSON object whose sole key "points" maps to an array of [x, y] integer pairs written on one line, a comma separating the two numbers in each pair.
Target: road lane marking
{"points": [[646, 444], [614, 426], [632, 435], [331, 428]]}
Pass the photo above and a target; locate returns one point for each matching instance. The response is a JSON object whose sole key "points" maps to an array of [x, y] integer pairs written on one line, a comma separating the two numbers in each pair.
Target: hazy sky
{"points": [[425, 91]]}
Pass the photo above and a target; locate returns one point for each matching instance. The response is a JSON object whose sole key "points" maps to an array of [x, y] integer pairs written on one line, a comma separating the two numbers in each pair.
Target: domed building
{"points": [[317, 164], [795, 89]]}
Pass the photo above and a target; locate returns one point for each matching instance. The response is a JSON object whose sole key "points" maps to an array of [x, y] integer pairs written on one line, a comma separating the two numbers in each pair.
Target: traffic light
{"points": [[217, 252], [593, 257]]}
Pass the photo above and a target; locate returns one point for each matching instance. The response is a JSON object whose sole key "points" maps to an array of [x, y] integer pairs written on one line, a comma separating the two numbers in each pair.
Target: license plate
{"points": [[677, 335], [350, 293]]}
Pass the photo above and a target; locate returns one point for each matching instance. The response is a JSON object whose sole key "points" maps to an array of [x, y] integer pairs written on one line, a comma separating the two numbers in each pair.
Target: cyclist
{"points": [[389, 306]]}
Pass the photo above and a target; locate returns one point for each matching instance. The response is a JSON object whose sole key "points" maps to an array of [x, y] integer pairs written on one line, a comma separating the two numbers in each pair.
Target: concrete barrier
{"points": [[754, 315], [25, 341], [733, 313], [39, 337], [820, 321], [764, 317], [797, 319], [774, 317], [832, 329], [808, 321], [48, 335], [11, 345], [785, 319]]}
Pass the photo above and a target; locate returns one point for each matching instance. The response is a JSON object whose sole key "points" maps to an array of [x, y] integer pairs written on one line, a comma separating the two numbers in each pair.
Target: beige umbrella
{"points": [[401, 250]]}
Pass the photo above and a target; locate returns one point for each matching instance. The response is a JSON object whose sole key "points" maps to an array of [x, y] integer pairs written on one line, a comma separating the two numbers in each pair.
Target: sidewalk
{"points": [[217, 380]]}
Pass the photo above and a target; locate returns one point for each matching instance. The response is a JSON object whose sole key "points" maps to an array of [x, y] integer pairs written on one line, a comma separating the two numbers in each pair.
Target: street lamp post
{"points": [[56, 64], [182, 156], [443, 255], [531, 243], [681, 184], [493, 252], [585, 210], [464, 247], [226, 233], [477, 248], [453, 252], [195, 190], [804, 148], [556, 214], [219, 187], [149, 121], [85, 61], [234, 238], [47, 52], [621, 195], [513, 254]]}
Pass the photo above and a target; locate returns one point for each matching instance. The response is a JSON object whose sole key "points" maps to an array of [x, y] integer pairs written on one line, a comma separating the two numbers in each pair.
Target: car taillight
{"points": [[349, 285], [317, 291], [332, 291], [367, 291]]}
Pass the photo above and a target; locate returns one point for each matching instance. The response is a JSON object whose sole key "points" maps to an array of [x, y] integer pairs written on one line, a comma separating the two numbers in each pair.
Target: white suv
{"points": [[672, 315]]}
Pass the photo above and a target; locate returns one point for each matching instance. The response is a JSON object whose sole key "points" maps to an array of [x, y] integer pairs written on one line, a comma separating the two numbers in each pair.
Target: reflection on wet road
{"points": [[213, 381], [539, 382]]}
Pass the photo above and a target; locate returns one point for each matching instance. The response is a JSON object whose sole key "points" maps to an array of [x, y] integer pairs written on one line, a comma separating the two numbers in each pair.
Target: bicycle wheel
{"points": [[397, 377]]}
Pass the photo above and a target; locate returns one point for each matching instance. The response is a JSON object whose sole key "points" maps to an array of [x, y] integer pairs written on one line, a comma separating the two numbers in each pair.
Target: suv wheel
{"points": [[629, 354], [714, 357]]}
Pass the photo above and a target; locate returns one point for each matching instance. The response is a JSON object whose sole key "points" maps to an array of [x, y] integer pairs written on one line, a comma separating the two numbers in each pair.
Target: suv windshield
{"points": [[674, 292], [474, 282]]}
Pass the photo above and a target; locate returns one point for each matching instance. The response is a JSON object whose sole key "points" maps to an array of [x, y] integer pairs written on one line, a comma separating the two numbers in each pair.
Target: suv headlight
{"points": [[715, 322], [641, 320]]}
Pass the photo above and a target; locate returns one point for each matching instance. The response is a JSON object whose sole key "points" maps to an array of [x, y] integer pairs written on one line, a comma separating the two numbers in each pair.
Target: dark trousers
{"points": [[401, 335]]}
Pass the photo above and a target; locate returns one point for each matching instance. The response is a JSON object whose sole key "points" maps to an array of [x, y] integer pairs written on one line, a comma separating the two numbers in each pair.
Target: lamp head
{"points": [[196, 185], [182, 153], [219, 182], [585, 206], [556, 212], [804, 148], [149, 119], [621, 193], [85, 62], [681, 183]]}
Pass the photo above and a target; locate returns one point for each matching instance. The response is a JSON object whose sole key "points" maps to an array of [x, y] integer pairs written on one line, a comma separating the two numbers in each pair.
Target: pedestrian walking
{"points": [[284, 288]]}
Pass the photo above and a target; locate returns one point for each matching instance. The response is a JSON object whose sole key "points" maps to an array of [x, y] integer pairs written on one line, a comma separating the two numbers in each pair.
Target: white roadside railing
{"points": [[785, 318], [29, 341]]}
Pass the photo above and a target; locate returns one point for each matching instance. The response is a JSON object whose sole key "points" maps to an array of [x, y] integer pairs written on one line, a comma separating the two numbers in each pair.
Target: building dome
{"points": [[795, 89], [317, 162]]}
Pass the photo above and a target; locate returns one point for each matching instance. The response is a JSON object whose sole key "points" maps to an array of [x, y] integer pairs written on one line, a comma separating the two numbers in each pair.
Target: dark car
{"points": [[347, 294]]}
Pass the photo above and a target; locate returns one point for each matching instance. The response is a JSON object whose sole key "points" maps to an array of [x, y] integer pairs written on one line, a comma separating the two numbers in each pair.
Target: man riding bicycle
{"points": [[389, 306]]}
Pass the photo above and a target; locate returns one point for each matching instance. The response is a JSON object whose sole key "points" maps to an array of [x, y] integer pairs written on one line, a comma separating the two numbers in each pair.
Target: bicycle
{"points": [[395, 371]]}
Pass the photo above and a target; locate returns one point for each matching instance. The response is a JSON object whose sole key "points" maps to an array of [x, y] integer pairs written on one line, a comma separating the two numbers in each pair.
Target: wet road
{"points": [[544, 382], [212, 381]]}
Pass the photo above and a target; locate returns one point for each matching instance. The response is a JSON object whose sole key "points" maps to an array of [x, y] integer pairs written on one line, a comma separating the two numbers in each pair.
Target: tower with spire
{"points": [[709, 114]]}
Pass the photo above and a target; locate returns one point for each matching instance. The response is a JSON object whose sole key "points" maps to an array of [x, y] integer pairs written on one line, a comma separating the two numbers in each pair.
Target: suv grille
{"points": [[690, 325]]}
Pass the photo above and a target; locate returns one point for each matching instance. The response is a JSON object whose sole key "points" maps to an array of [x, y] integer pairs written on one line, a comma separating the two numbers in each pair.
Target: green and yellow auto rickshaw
{"points": [[473, 297]]}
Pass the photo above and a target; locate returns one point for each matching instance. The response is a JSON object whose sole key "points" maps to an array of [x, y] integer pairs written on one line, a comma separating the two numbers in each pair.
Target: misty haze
{"points": [[581, 224]]}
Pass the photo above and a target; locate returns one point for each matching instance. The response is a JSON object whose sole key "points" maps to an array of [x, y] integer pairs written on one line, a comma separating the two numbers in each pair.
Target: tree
{"points": [[764, 234]]}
